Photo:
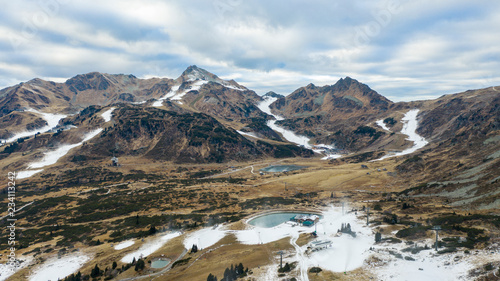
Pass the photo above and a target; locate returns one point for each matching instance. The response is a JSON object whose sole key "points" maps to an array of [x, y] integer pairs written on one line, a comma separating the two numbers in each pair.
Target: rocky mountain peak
{"points": [[272, 94], [193, 73]]}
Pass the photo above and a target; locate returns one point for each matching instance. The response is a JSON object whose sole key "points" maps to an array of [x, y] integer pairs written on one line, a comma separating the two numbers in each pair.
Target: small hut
{"points": [[114, 162]]}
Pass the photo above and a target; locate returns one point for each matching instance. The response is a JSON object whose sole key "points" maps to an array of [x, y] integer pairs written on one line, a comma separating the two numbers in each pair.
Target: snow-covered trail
{"points": [[410, 125], [149, 247], [290, 136], [51, 157], [51, 119], [287, 134], [300, 258], [58, 268]]}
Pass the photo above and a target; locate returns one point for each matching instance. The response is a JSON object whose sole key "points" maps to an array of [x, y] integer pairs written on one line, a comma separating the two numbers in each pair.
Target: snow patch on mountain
{"points": [[290, 136], [248, 134], [197, 74], [149, 247], [52, 120], [410, 125], [107, 114], [170, 94], [51, 157], [382, 124], [195, 86], [58, 268]]}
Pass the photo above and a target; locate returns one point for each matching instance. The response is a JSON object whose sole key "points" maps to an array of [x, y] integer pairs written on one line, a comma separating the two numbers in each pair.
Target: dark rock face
{"points": [[39, 123], [126, 97], [272, 94]]}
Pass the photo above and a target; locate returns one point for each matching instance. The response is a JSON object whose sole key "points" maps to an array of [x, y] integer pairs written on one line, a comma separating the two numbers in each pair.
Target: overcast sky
{"points": [[405, 50]]}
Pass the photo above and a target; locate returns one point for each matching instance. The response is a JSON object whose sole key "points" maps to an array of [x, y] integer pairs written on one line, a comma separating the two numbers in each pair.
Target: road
{"points": [[241, 169], [300, 258]]}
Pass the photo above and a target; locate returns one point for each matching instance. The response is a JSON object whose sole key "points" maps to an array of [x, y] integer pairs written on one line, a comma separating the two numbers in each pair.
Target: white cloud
{"points": [[403, 49]]}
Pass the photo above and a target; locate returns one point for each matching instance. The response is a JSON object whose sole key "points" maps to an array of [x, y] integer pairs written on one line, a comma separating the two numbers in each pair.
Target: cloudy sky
{"points": [[405, 50]]}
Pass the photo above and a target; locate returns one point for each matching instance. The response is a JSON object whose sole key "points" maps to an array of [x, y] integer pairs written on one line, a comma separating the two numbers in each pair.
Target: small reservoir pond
{"points": [[159, 263], [282, 168], [274, 219]]}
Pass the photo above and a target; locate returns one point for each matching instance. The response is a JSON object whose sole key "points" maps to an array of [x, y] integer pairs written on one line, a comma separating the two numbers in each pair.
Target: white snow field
{"points": [[170, 94], [247, 134], [382, 124], [51, 157], [150, 247], [51, 119], [27, 173], [287, 134], [410, 125], [107, 114], [205, 237], [55, 269], [6, 270], [195, 87], [348, 253], [124, 244]]}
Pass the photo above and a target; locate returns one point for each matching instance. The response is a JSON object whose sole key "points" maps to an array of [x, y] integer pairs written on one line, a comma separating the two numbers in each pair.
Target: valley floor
{"points": [[320, 187]]}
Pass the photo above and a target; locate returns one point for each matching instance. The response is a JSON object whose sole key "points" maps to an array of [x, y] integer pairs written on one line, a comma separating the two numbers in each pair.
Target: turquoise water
{"points": [[282, 168], [159, 263], [272, 220]]}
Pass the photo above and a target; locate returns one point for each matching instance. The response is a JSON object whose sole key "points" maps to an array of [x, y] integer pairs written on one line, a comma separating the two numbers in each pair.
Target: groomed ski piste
{"points": [[57, 268], [51, 157], [290, 135], [410, 125], [149, 247], [51, 119], [346, 254]]}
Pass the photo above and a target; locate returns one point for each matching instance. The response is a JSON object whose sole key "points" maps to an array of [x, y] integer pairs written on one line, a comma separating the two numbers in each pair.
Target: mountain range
{"points": [[201, 118]]}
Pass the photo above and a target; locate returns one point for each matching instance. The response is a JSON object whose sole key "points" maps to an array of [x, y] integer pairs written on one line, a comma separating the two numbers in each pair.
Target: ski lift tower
{"points": [[281, 259], [437, 228], [368, 216]]}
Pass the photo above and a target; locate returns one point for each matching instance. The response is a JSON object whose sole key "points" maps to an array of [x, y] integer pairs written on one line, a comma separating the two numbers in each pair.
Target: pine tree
{"points": [[227, 275], [233, 272], [378, 237], [114, 265], [95, 272], [139, 265], [152, 230], [240, 270], [194, 249]]}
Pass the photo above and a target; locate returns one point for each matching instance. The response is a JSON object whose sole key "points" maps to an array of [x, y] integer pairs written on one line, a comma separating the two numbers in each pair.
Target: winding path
{"points": [[300, 258]]}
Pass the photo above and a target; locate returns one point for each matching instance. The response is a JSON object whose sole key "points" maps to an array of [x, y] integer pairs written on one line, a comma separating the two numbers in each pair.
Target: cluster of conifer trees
{"points": [[231, 273]]}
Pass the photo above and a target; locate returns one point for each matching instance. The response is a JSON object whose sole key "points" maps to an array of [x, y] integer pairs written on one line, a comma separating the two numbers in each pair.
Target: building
{"points": [[319, 245], [305, 220], [114, 162]]}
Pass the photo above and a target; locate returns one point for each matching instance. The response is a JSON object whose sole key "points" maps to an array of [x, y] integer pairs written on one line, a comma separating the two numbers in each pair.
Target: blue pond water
{"points": [[281, 168], [159, 263], [274, 219]]}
